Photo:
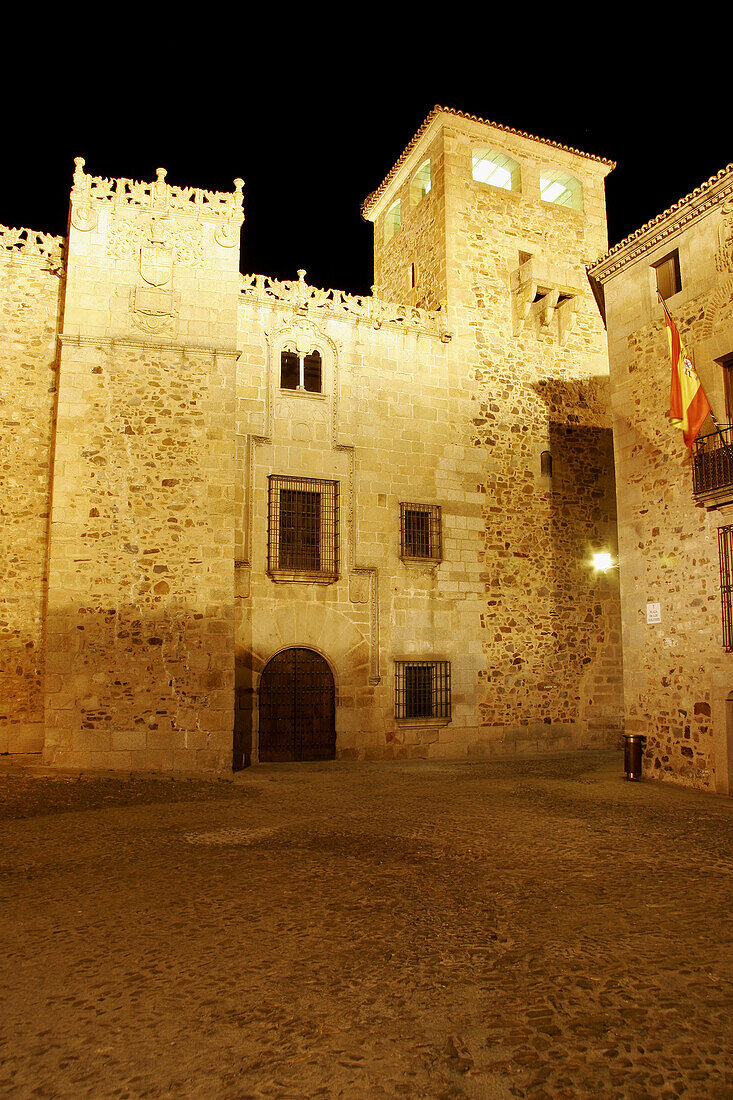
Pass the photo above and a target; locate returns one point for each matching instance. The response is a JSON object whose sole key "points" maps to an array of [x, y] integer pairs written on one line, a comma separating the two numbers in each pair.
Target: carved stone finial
{"points": [[79, 163], [161, 173], [301, 274], [238, 186]]}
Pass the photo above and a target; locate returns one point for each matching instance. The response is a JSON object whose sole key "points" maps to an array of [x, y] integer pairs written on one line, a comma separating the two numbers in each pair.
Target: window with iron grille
{"points": [[303, 526], [422, 689], [725, 546], [420, 531]]}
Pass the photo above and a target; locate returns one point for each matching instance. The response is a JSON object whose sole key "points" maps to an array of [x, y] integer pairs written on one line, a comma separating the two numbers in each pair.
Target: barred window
{"points": [[422, 689], [420, 531], [303, 526], [725, 546]]}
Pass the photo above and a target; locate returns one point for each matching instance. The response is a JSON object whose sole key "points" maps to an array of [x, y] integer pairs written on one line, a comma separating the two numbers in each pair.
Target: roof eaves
{"points": [[673, 218], [373, 198]]}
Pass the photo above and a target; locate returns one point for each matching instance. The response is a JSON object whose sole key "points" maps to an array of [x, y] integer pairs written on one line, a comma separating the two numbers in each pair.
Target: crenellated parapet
{"points": [[299, 296], [165, 258], [33, 246], [157, 197]]}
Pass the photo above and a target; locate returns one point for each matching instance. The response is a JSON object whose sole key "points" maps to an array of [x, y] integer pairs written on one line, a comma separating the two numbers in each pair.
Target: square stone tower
{"points": [[497, 228], [139, 658]]}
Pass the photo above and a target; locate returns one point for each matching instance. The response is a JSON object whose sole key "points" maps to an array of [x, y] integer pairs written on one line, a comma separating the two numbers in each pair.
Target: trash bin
{"points": [[632, 755]]}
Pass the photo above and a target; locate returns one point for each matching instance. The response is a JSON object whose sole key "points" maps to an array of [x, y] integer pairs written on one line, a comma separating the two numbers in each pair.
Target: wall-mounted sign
{"points": [[654, 613]]}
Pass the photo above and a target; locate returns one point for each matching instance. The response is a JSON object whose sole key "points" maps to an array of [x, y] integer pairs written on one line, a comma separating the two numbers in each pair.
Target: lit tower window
{"points": [[561, 189], [421, 183], [496, 169]]}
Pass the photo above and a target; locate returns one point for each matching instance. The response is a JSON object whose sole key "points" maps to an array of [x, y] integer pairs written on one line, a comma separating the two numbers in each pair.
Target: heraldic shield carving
{"points": [[156, 264]]}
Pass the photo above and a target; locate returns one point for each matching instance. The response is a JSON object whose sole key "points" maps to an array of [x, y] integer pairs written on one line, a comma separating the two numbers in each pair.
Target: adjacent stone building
{"points": [[675, 506], [249, 519]]}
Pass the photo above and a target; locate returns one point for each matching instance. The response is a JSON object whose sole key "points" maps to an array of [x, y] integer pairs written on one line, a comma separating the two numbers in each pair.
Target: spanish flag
{"points": [[688, 405]]}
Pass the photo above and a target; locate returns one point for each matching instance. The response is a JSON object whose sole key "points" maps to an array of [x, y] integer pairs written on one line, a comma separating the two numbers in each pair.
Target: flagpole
{"points": [[713, 417]]}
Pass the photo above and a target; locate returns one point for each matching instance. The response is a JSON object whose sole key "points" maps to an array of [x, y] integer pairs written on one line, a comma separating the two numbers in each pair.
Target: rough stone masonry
{"points": [[249, 519]]}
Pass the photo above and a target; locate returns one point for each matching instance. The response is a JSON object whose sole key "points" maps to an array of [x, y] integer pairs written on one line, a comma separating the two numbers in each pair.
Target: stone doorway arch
{"points": [[297, 707]]}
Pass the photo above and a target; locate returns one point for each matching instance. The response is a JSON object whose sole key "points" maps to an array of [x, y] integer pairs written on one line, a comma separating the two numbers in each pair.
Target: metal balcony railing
{"points": [[712, 462]]}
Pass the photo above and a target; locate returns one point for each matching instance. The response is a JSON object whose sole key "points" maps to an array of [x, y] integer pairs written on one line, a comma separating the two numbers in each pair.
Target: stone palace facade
{"points": [[675, 505], [247, 520]]}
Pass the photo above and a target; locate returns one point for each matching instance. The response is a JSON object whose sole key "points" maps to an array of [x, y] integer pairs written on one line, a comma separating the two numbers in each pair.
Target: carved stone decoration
{"points": [[301, 431], [128, 235], [310, 301], [724, 254], [162, 198], [227, 234], [156, 264], [302, 337], [153, 310], [84, 217], [718, 311], [359, 585], [29, 244]]}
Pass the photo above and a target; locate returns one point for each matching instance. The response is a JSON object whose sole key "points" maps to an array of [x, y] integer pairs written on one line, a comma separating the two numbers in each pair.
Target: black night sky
{"points": [[313, 123]]}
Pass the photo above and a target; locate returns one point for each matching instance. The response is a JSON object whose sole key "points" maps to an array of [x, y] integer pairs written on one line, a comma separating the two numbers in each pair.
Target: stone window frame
{"points": [[417, 189], [426, 703], [571, 195], [671, 274], [501, 160], [327, 569], [434, 515], [392, 220], [302, 346]]}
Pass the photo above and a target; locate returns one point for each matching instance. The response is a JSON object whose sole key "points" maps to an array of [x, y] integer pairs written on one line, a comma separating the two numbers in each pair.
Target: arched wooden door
{"points": [[297, 708]]}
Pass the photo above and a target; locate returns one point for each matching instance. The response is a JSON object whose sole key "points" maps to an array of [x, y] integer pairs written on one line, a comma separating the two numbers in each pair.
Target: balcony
{"points": [[712, 469]]}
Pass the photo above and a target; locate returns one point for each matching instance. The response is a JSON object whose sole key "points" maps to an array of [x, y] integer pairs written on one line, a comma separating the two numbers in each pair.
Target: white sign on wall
{"points": [[654, 613]]}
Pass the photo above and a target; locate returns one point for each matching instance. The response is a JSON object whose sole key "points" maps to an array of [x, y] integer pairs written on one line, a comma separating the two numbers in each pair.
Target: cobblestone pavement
{"points": [[529, 928]]}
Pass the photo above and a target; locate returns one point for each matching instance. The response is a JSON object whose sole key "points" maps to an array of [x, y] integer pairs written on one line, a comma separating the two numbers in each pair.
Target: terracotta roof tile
{"points": [[374, 196], [695, 201]]}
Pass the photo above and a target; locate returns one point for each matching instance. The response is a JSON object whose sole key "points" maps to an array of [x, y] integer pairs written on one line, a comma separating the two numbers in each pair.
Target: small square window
{"points": [[422, 689], [668, 275], [303, 526], [420, 531]]}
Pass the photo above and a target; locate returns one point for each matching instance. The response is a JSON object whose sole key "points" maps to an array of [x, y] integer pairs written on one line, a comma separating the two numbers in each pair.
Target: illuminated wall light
{"points": [[602, 561]]}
